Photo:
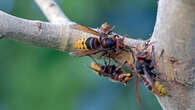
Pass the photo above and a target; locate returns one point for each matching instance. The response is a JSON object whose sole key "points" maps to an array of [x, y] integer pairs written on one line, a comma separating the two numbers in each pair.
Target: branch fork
{"points": [[174, 34]]}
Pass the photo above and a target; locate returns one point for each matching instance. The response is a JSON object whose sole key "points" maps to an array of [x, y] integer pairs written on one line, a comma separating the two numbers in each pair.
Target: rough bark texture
{"points": [[175, 33]]}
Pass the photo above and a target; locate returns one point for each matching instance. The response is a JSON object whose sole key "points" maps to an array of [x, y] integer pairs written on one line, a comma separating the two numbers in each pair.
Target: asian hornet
{"points": [[114, 73], [105, 41], [144, 67]]}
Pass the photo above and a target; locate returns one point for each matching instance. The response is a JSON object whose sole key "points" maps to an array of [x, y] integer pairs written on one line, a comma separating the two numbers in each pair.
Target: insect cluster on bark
{"points": [[111, 46]]}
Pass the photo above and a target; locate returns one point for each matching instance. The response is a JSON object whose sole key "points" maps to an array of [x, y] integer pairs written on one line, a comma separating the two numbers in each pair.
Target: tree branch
{"points": [[32, 32], [52, 11], [56, 36], [174, 32]]}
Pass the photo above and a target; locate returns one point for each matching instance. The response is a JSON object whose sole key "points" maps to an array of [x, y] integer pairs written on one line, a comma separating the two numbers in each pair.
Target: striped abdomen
{"points": [[158, 86], [90, 43]]}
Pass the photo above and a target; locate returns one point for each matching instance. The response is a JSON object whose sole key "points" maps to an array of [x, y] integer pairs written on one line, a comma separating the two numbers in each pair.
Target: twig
{"points": [[53, 12]]}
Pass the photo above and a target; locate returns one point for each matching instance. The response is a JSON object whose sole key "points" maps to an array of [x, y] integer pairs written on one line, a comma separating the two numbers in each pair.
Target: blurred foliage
{"points": [[34, 78]]}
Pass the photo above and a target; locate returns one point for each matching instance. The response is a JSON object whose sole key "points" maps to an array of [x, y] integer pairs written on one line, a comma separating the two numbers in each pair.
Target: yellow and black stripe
{"points": [[160, 87], [157, 86], [90, 43]]}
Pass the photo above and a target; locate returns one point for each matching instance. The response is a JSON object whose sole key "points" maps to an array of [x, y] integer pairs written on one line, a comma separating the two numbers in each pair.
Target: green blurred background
{"points": [[34, 78]]}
